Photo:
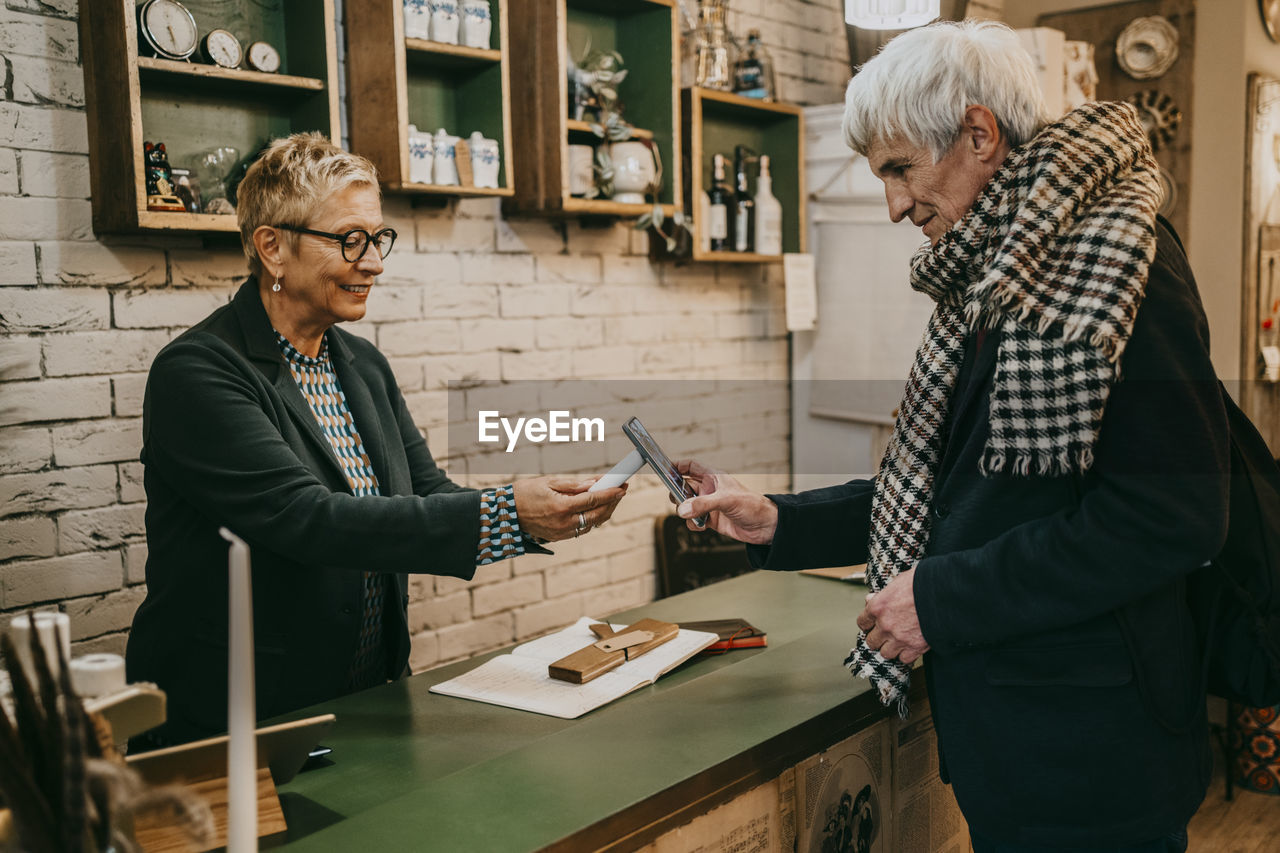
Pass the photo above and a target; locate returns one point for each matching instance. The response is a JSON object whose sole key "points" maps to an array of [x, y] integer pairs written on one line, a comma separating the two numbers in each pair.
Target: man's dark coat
{"points": [[1063, 674]]}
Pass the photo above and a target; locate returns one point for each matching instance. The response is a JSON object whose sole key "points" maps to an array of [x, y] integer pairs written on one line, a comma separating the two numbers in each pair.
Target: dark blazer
{"points": [[1062, 672], [228, 440]]}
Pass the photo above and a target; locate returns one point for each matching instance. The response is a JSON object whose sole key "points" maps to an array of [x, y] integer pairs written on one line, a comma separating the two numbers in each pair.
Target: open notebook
{"points": [[520, 680]]}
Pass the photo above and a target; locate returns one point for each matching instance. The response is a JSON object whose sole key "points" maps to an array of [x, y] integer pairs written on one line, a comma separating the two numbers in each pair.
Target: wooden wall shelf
{"points": [[646, 34], [714, 123], [188, 74], [394, 81], [163, 220], [448, 55], [192, 107], [609, 207], [738, 258], [620, 6], [452, 190], [576, 126]]}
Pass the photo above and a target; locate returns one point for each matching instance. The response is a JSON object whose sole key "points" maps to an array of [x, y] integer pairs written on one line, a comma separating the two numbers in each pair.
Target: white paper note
{"points": [[802, 291], [520, 679]]}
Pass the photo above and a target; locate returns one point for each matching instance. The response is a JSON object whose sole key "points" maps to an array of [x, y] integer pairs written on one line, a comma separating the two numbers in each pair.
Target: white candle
{"points": [[242, 746], [54, 631]]}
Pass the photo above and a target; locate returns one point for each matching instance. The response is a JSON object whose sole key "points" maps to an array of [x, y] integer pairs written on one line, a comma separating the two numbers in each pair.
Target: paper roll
{"points": [[53, 629], [97, 675]]}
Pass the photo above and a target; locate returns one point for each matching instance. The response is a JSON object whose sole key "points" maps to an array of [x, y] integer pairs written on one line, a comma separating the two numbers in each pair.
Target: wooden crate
{"points": [[394, 81], [646, 34], [191, 106], [715, 122]]}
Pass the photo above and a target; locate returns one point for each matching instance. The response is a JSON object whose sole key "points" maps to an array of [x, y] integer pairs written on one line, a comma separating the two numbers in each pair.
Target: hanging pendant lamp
{"points": [[891, 14]]}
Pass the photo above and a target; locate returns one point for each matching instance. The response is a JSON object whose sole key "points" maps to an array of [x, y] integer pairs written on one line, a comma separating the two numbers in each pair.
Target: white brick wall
{"points": [[467, 294]]}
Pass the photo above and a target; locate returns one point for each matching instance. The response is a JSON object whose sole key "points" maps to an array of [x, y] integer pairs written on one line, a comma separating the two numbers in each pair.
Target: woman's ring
{"points": [[582, 525]]}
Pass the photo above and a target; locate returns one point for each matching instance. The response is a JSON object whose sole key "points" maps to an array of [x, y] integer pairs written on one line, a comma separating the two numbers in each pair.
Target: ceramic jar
{"points": [[444, 167], [581, 173], [417, 19], [477, 23], [633, 171], [485, 162], [421, 154], [444, 20]]}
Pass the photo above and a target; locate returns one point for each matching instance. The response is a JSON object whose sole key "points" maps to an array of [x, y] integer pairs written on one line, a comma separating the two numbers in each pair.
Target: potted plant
{"points": [[674, 232], [593, 85]]}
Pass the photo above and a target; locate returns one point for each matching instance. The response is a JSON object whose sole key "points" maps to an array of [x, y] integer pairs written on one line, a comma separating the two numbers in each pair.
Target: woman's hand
{"points": [[735, 512], [553, 508]]}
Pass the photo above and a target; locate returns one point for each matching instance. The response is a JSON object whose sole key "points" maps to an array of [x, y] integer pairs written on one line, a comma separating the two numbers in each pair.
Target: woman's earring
{"points": [[275, 288]]}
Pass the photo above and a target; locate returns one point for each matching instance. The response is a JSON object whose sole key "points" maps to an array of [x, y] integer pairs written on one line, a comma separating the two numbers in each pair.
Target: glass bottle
{"points": [[768, 213], [753, 72], [714, 68], [744, 207], [721, 197]]}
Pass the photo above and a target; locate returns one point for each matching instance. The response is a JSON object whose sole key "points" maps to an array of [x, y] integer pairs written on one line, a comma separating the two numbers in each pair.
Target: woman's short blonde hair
{"points": [[289, 182], [919, 85]]}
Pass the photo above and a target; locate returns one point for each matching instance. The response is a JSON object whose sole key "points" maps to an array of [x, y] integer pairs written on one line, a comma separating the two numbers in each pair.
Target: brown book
{"points": [[733, 634]]}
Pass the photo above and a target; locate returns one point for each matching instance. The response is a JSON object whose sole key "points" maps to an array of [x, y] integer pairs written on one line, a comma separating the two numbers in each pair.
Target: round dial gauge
{"points": [[168, 28], [264, 57], [1270, 10], [222, 48]]}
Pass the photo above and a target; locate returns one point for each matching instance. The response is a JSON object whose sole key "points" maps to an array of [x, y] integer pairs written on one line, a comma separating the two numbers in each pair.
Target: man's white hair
{"points": [[919, 85]]}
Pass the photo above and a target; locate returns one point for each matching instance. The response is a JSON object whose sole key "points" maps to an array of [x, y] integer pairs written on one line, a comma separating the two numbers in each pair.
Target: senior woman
{"points": [[1057, 468], [268, 419]]}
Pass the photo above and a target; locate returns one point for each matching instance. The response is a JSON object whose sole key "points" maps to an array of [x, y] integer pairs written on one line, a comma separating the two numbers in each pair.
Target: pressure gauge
{"points": [[264, 57], [168, 28], [222, 48]]}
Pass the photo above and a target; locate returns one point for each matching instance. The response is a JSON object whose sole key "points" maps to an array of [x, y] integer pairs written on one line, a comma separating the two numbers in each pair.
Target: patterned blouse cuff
{"points": [[500, 534]]}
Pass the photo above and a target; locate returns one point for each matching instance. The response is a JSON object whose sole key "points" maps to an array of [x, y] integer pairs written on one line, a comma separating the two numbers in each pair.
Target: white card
{"points": [[802, 291]]}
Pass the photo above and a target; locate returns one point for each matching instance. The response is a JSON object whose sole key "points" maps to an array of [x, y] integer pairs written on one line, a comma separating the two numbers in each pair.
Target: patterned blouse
{"points": [[500, 535]]}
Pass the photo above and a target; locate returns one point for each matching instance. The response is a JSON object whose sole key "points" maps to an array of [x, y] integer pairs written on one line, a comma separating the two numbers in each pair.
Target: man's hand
{"points": [[891, 621], [553, 508], [735, 512]]}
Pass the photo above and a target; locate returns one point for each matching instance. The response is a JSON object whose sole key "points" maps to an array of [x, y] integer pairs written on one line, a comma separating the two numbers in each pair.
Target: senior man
{"points": [[1057, 468]]}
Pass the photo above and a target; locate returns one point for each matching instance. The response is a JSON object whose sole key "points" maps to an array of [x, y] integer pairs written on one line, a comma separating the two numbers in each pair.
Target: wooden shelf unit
{"points": [[192, 107], [646, 34], [229, 79], [448, 55], [393, 81], [714, 123]]}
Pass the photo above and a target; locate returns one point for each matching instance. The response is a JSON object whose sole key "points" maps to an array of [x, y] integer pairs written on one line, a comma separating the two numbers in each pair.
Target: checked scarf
{"points": [[1054, 252]]}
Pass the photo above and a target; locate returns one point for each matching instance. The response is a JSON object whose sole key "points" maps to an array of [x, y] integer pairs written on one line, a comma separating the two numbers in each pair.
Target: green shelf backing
{"points": [[774, 134], [261, 20], [460, 104], [190, 123], [641, 34]]}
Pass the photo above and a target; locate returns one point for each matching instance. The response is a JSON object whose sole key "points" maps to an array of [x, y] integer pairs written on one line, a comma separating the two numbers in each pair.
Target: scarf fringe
{"points": [[1024, 463], [1002, 305], [891, 694]]}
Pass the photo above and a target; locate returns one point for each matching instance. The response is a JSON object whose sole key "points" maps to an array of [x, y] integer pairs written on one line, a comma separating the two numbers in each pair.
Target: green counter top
{"points": [[416, 770]]}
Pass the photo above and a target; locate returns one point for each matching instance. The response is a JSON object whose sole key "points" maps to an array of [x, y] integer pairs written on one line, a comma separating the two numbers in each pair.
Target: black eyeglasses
{"points": [[354, 242]]}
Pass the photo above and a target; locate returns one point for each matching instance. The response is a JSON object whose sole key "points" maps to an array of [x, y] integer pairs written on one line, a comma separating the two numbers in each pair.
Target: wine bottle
{"points": [[744, 206], [768, 213], [721, 198], [704, 216]]}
